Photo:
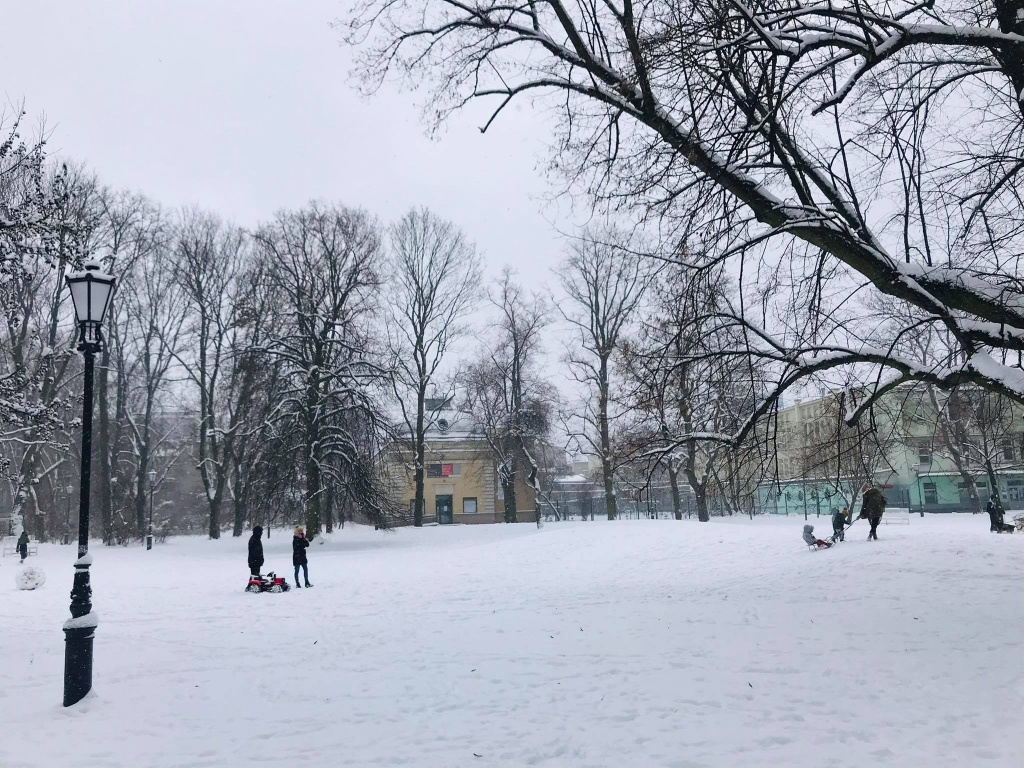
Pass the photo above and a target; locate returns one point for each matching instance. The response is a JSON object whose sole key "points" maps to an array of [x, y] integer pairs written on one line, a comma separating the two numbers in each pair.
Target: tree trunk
{"points": [[677, 502], [702, 505], [419, 450], [140, 494], [238, 514], [509, 487], [994, 483], [214, 519], [313, 496], [329, 508], [104, 497], [606, 442]]}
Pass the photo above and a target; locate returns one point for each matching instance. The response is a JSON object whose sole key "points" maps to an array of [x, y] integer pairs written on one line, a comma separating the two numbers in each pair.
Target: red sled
{"points": [[269, 583]]}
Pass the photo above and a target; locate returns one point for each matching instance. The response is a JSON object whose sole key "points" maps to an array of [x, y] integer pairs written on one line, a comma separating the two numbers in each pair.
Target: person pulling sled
{"points": [[872, 508], [812, 541], [269, 583]]}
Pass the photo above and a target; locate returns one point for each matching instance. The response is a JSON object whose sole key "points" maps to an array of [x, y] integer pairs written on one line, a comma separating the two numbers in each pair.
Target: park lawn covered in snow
{"points": [[633, 643]]}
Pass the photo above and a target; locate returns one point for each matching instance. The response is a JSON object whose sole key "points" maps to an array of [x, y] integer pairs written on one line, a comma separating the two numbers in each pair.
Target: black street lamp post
{"points": [[152, 486], [91, 290]]}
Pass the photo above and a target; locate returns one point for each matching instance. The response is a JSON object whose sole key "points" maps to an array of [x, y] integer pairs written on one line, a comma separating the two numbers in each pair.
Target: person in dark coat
{"points": [[839, 522], [23, 545], [256, 550], [299, 545], [995, 515], [872, 508]]}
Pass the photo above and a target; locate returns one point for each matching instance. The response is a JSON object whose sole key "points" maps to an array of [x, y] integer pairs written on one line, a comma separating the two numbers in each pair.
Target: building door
{"points": [[444, 509], [931, 495]]}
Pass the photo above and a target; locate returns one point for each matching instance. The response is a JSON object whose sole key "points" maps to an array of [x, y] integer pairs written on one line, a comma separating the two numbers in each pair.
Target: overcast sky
{"points": [[246, 106]]}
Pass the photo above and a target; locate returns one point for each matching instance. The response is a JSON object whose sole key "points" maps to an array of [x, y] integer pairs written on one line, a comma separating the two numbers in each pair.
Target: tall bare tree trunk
{"points": [[607, 468], [420, 457], [673, 481], [104, 497]]}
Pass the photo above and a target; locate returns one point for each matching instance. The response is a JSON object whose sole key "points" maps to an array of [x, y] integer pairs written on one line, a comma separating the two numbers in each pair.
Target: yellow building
{"points": [[461, 482]]}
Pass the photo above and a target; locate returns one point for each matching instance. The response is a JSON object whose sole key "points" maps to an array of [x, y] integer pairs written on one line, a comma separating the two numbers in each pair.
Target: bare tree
{"points": [[322, 263], [505, 398], [685, 395], [605, 284], [119, 239], [213, 267], [765, 136], [154, 311], [435, 274]]}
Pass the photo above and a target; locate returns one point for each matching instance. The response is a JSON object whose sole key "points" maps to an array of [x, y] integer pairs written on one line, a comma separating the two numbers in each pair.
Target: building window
{"points": [[924, 455], [1008, 450], [469, 506]]}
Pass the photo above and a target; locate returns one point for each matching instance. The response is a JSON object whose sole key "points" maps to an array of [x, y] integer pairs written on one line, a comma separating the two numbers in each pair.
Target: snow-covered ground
{"points": [[639, 643]]}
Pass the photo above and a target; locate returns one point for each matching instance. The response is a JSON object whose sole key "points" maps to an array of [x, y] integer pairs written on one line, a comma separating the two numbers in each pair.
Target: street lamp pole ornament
{"points": [[91, 290]]}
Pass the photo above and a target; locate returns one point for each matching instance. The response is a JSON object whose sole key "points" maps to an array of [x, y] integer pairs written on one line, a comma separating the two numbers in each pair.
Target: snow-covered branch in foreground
{"points": [[754, 137]]}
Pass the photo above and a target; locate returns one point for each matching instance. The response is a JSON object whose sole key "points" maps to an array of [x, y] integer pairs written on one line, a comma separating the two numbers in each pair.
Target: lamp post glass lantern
{"points": [[91, 290]]}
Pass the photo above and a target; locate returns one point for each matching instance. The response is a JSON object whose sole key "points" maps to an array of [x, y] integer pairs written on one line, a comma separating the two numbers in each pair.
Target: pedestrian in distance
{"points": [[994, 518], [23, 545], [299, 546], [256, 550], [839, 522], [872, 508]]}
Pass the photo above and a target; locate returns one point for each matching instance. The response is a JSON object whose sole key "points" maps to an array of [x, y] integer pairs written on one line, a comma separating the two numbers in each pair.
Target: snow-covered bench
{"points": [[12, 549], [896, 516]]}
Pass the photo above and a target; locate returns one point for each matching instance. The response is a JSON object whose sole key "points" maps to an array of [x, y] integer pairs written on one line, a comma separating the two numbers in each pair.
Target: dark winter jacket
{"points": [[299, 545], [23, 545], [838, 521], [256, 548], [994, 515], [874, 505]]}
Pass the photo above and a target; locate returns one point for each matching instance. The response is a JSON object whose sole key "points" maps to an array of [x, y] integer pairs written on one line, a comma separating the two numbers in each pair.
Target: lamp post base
{"points": [[77, 663], [149, 541]]}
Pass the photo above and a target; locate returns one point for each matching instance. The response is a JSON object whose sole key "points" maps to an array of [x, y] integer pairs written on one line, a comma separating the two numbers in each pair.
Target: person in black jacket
{"points": [[995, 515], [23, 545], [299, 545], [256, 550], [872, 508]]}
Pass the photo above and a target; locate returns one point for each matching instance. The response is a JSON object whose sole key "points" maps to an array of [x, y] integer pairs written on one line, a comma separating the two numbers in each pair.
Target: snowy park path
{"points": [[639, 643]]}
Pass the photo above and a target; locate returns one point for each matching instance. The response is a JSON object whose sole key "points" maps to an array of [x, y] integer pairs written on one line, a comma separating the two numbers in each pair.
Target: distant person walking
{"points": [[873, 508], [995, 514], [299, 545], [23, 545], [839, 522], [256, 550]]}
